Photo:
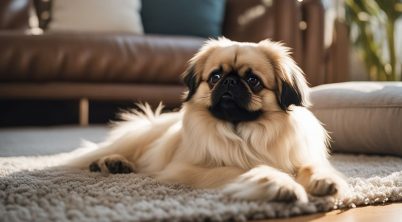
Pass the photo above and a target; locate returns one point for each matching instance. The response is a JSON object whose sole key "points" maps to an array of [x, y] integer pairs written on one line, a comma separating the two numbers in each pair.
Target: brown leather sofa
{"points": [[119, 66]]}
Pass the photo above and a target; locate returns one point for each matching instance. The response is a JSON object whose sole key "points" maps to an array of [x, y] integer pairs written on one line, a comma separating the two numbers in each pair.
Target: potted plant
{"points": [[372, 30]]}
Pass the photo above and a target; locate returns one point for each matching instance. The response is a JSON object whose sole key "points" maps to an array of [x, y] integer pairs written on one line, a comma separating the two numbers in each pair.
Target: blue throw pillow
{"points": [[201, 18]]}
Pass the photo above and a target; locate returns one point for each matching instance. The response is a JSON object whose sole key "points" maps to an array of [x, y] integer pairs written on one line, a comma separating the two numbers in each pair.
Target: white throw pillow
{"points": [[96, 16]]}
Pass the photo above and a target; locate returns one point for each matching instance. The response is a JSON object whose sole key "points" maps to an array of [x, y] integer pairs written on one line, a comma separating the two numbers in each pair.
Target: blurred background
{"points": [[81, 61]]}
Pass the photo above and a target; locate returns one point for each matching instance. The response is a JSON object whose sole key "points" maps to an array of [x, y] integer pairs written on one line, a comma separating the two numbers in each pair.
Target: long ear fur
{"points": [[294, 90], [190, 80], [292, 86], [191, 77]]}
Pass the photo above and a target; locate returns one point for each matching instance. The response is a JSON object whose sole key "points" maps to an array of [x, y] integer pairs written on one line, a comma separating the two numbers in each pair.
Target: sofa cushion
{"points": [[96, 16], [201, 18], [95, 58], [362, 117], [14, 14]]}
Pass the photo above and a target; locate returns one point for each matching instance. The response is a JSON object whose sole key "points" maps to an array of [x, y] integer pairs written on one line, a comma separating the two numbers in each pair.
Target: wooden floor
{"points": [[386, 213]]}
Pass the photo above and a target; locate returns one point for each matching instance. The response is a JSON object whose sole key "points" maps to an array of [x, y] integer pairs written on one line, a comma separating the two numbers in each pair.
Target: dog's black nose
{"points": [[230, 81]]}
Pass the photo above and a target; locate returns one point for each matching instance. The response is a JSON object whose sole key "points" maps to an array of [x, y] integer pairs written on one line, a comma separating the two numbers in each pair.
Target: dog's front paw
{"points": [[325, 185], [323, 182], [260, 184], [112, 164]]}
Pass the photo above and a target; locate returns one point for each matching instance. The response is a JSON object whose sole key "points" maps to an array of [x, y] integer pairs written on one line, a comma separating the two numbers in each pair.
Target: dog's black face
{"points": [[231, 96]]}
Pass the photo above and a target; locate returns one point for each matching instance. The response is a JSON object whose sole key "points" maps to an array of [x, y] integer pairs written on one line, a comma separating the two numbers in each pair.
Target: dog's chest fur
{"points": [[245, 145]]}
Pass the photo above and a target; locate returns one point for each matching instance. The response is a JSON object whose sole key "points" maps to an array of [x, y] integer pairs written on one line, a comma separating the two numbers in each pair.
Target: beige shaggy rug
{"points": [[30, 191]]}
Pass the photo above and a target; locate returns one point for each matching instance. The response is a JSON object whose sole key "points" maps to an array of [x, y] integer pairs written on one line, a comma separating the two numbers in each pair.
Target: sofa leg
{"points": [[84, 111]]}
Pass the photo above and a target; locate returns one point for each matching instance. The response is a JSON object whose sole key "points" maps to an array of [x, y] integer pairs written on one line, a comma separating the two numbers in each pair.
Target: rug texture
{"points": [[30, 191]]}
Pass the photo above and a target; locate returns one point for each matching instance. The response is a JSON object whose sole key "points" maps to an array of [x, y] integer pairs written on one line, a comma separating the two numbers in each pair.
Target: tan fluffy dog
{"points": [[243, 127]]}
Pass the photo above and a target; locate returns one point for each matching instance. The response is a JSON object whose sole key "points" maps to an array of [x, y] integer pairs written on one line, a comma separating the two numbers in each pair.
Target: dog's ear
{"points": [[196, 64], [292, 86], [190, 80], [294, 92]]}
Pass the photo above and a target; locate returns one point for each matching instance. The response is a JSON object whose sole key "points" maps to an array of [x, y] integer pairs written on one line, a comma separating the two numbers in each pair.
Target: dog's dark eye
{"points": [[215, 77], [254, 82]]}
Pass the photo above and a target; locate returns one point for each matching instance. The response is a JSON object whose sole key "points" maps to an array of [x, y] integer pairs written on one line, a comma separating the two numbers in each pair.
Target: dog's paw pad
{"points": [[286, 194], [323, 187], [118, 166], [113, 164], [94, 167]]}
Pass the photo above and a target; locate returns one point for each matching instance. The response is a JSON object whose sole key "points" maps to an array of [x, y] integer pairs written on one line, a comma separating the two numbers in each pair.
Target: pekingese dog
{"points": [[243, 127]]}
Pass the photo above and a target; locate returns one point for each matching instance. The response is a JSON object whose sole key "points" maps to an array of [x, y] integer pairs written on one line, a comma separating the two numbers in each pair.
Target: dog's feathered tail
{"points": [[128, 137], [143, 111]]}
